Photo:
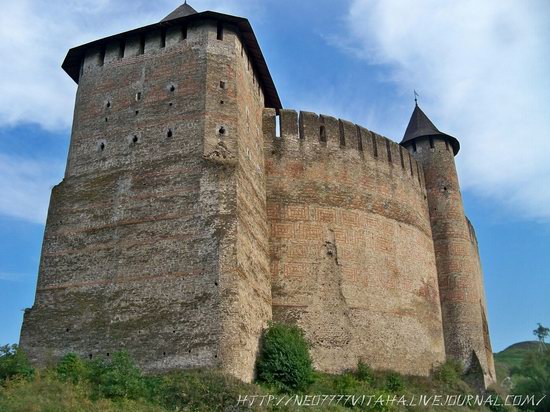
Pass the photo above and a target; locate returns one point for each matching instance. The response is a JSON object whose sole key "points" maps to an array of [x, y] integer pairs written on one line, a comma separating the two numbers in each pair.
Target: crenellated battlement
{"points": [[320, 135]]}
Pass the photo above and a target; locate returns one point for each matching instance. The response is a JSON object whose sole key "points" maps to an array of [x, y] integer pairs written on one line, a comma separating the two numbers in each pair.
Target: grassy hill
{"points": [[512, 357]]}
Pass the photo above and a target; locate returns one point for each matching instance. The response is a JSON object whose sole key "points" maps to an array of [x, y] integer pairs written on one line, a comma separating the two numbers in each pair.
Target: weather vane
{"points": [[416, 95]]}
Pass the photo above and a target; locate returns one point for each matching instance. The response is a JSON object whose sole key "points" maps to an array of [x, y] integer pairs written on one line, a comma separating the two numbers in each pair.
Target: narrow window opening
{"points": [[322, 134], [359, 137], [106, 119], [138, 96], [170, 104], [445, 188], [222, 84], [215, 283], [102, 56], [446, 145], [135, 139], [221, 101], [141, 45], [108, 354], [431, 143], [277, 125], [108, 104], [102, 146], [169, 134], [163, 353], [414, 146], [220, 31], [222, 130], [342, 137], [66, 330], [184, 32], [411, 165], [121, 50], [374, 146], [90, 356], [174, 331], [401, 156], [172, 88], [137, 112], [388, 149], [163, 39]]}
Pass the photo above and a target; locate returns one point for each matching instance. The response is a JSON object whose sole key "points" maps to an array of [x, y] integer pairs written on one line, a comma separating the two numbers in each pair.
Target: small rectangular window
{"points": [[141, 45], [220, 30], [184, 32]]}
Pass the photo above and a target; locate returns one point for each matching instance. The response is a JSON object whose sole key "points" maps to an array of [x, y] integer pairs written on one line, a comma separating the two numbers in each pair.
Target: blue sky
{"points": [[481, 69]]}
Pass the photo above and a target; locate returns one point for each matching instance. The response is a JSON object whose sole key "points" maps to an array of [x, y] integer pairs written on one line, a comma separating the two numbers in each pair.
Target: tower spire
{"points": [[420, 126], [182, 11], [416, 95]]}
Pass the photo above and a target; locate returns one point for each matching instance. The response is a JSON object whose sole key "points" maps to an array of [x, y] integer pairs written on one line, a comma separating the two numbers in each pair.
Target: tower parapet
{"points": [[460, 279]]}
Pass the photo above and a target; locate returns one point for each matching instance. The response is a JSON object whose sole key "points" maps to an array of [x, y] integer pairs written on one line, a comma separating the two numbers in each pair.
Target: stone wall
{"points": [[352, 258]]}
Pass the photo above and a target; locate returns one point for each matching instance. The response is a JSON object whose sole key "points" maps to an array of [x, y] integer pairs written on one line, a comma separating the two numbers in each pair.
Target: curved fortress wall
{"points": [[156, 240], [460, 278], [351, 251]]}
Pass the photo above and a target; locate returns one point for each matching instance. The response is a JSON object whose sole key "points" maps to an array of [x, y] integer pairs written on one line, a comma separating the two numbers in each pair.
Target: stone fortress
{"points": [[185, 222]]}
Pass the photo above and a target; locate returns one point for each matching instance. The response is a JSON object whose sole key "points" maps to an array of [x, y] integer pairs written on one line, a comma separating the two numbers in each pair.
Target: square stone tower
{"points": [[156, 239]]}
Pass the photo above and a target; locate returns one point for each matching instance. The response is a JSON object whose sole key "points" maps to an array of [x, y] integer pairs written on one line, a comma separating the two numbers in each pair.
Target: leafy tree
{"points": [[533, 378], [284, 360], [14, 362], [541, 333]]}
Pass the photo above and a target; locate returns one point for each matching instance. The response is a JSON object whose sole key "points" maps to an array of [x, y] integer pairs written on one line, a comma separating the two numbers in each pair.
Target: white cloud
{"points": [[482, 71], [26, 186], [36, 35]]}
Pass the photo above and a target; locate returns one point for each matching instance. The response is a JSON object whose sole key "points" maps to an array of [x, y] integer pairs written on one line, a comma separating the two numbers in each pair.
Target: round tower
{"points": [[459, 272]]}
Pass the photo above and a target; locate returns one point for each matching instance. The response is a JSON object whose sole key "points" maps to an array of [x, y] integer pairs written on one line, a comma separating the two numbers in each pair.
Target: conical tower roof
{"points": [[420, 126], [182, 11]]}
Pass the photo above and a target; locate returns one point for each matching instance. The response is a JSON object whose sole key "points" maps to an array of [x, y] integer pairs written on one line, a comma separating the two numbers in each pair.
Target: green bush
{"points": [[120, 378], [364, 373], [394, 382], [13, 362], [72, 368], [284, 360], [448, 373]]}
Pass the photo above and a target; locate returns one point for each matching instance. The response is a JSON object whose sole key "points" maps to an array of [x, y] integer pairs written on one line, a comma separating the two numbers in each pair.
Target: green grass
{"points": [[80, 385], [76, 384]]}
